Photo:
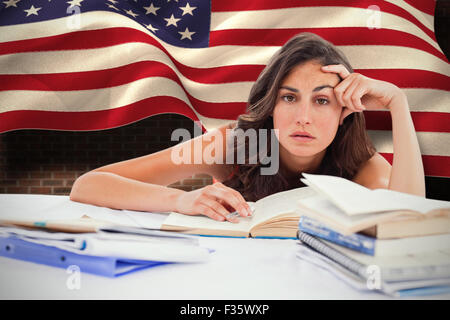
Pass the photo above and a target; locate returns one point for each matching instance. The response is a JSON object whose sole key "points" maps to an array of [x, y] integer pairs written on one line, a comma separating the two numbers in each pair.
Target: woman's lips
{"points": [[302, 136]]}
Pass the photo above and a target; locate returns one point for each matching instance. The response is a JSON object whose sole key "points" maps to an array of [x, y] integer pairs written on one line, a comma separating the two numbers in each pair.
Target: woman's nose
{"points": [[303, 114]]}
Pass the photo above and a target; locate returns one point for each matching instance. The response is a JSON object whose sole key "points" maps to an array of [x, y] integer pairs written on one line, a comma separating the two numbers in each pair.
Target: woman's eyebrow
{"points": [[314, 90], [322, 87]]}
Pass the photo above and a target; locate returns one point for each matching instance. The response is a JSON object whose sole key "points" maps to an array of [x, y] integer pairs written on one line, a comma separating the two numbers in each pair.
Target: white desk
{"points": [[238, 269]]}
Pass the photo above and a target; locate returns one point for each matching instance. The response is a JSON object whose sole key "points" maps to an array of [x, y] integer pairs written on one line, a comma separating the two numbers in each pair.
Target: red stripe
{"points": [[91, 39], [376, 120], [409, 78], [93, 120], [78, 40], [423, 121], [437, 166], [107, 119], [427, 6], [85, 80], [113, 77], [113, 36], [239, 5], [359, 36]]}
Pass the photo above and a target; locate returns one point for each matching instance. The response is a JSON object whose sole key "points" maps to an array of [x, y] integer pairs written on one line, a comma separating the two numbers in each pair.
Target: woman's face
{"points": [[306, 104]]}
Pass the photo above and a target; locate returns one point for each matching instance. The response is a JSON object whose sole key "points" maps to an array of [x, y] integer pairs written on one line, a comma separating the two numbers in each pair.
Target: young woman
{"points": [[310, 94]]}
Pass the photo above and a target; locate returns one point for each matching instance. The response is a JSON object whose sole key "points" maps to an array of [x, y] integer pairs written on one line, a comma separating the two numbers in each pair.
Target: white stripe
{"points": [[360, 57], [419, 100], [103, 19], [390, 57], [90, 100], [431, 143], [315, 17], [111, 57], [424, 18], [428, 100]]}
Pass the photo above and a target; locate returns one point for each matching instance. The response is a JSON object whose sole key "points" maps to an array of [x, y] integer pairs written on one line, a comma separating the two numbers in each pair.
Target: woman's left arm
{"points": [[357, 93], [407, 174]]}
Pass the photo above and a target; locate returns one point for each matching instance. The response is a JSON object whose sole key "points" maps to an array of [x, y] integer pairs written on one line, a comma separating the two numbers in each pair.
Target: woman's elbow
{"points": [[76, 193]]}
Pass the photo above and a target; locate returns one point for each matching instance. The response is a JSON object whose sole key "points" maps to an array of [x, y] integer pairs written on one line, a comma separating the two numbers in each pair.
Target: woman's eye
{"points": [[322, 101], [288, 98]]}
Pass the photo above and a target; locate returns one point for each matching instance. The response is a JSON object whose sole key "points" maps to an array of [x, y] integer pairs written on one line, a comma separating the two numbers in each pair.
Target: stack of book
{"points": [[55, 231], [379, 239], [110, 251]]}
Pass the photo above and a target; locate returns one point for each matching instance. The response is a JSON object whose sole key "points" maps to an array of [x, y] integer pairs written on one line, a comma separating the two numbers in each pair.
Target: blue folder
{"points": [[15, 248]]}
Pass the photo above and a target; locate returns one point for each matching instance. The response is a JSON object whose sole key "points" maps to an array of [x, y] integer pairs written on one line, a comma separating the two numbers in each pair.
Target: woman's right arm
{"points": [[141, 184]]}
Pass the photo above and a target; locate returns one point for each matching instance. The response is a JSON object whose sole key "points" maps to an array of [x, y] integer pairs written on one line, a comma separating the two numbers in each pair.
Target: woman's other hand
{"points": [[357, 92]]}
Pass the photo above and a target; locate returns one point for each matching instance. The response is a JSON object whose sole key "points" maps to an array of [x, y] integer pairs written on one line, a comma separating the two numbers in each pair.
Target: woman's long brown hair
{"points": [[350, 148]]}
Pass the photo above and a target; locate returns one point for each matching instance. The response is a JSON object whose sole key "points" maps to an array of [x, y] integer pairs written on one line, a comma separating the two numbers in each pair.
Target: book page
{"points": [[393, 200], [279, 203], [201, 222], [320, 208], [355, 199], [130, 218], [38, 207], [350, 197]]}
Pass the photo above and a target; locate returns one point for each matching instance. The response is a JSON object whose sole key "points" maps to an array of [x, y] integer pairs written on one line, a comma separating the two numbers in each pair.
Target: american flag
{"points": [[99, 64]]}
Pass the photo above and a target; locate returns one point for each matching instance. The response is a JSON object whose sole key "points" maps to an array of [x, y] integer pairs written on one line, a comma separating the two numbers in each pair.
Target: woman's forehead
{"points": [[310, 74]]}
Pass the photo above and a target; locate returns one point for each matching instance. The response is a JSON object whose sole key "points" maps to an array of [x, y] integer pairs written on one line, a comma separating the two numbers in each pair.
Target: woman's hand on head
{"points": [[357, 92], [216, 201]]}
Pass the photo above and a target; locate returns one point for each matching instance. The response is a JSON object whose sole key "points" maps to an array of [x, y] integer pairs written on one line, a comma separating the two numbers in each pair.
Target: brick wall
{"points": [[48, 162]]}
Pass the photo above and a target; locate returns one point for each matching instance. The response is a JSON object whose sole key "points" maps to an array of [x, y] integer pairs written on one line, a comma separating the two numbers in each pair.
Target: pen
{"points": [[235, 214]]}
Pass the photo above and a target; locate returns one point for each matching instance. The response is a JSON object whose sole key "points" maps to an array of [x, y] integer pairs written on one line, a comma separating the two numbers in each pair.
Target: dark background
{"points": [[48, 162]]}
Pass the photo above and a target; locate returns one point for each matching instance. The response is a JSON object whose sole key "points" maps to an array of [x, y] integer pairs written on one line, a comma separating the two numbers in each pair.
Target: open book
{"points": [[273, 216], [348, 207]]}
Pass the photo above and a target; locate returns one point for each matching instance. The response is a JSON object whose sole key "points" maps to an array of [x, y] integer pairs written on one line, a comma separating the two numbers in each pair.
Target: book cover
{"points": [[354, 241], [15, 248]]}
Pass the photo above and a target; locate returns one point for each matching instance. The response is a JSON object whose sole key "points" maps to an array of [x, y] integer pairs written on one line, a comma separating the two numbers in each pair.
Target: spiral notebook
{"points": [[419, 274]]}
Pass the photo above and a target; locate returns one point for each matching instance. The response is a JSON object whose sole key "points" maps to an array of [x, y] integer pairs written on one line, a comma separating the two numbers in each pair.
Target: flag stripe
{"points": [[205, 75], [423, 121], [83, 80], [59, 26], [426, 19], [360, 36], [242, 37], [89, 39], [431, 143], [254, 55], [434, 143], [93, 120], [238, 5], [210, 93], [426, 6], [437, 166], [114, 71], [375, 120]]}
